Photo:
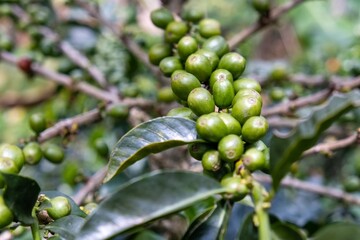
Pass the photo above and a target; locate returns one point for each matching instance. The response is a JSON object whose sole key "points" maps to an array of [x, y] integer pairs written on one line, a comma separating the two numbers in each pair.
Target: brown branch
{"points": [[93, 183], [73, 54], [274, 15], [288, 107], [328, 147], [64, 80], [310, 187], [27, 99], [69, 123]]}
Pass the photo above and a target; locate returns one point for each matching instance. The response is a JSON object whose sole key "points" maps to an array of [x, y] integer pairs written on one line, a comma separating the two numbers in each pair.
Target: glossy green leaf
{"points": [[148, 235], [285, 150], [75, 210], [66, 227], [338, 231], [248, 231], [283, 231], [150, 137], [20, 195], [196, 210], [145, 199], [213, 227]]}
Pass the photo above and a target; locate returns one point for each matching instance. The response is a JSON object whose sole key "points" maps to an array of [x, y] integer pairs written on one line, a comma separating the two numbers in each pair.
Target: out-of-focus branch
{"points": [[132, 46], [274, 15], [334, 145], [337, 84], [26, 99], [68, 124], [72, 53], [314, 188], [81, 86], [288, 107]]}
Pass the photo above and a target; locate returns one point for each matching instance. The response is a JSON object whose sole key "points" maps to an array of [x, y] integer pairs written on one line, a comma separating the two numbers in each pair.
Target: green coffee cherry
{"points": [[351, 184], [118, 111], [247, 93], [166, 95], [32, 153], [211, 56], [7, 166], [247, 83], [186, 46], [216, 44], [175, 31], [211, 128], [90, 207], [230, 148], [220, 74], [253, 159], [254, 129], [53, 153], [182, 83], [169, 65], [209, 27], [6, 216], [235, 187], [234, 63], [197, 150], [60, 207], [12, 153], [192, 15], [199, 66], [37, 122], [277, 94], [261, 6], [223, 93], [158, 52], [211, 160], [101, 147], [245, 108], [231, 123], [161, 17], [201, 101], [181, 112]]}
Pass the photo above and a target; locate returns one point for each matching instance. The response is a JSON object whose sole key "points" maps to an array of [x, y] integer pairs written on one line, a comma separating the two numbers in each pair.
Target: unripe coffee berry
{"points": [[201, 101], [230, 148], [199, 66], [254, 129], [234, 63], [211, 160], [211, 128], [182, 83]]}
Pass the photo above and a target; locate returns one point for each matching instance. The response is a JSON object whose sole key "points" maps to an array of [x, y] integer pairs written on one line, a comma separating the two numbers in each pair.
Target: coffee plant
{"points": [[157, 120]]}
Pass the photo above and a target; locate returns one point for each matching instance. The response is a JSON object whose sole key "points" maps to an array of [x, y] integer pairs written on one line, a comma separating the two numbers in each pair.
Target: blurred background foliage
{"points": [[318, 37]]}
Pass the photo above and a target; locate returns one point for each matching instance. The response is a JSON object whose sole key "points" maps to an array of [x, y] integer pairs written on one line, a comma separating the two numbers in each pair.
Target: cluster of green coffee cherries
{"points": [[13, 158], [206, 78]]}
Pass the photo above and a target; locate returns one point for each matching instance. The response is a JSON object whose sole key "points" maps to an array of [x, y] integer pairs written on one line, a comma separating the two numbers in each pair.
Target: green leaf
{"points": [[284, 231], [145, 199], [338, 231], [20, 195], [248, 230], [66, 227], [150, 137], [75, 210], [307, 133], [213, 226], [148, 235], [198, 209]]}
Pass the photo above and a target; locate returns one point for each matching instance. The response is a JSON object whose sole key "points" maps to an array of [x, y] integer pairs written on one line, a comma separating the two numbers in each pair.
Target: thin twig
{"points": [[310, 187], [275, 14], [288, 107], [328, 147], [69, 123], [92, 184]]}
